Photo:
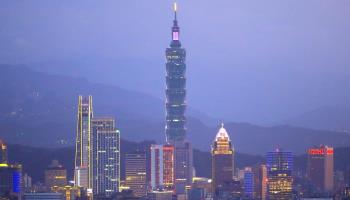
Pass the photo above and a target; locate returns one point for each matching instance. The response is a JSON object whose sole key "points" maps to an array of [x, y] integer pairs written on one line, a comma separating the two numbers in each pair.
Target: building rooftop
{"points": [[222, 134]]}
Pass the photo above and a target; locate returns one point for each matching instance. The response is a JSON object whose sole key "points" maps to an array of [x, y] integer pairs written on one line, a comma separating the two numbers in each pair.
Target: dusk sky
{"points": [[253, 61]]}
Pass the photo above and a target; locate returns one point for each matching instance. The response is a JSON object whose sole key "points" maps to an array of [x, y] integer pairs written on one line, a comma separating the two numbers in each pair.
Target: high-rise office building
{"points": [[320, 168], [222, 159], [260, 181], [3, 153], [279, 165], [175, 86], [105, 156], [27, 182], [248, 183], [135, 172], [168, 166], [55, 175], [183, 166], [162, 167], [156, 167], [10, 176], [11, 180], [83, 170], [175, 109]]}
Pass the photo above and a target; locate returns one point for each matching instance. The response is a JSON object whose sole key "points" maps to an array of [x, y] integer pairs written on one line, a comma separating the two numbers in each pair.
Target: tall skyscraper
{"points": [[3, 153], [260, 182], [249, 191], [175, 86], [105, 156], [320, 168], [135, 172], [10, 176], [83, 170], [222, 159], [55, 175], [175, 108], [162, 167], [279, 165]]}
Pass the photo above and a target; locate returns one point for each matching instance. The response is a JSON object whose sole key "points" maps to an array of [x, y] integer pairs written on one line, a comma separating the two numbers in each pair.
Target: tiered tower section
{"points": [[175, 86]]}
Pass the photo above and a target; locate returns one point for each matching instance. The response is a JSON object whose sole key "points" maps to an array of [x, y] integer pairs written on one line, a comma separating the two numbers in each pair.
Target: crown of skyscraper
{"points": [[222, 134]]}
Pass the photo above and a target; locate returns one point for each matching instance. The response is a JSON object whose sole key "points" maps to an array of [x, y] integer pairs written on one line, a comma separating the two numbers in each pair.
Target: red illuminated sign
{"points": [[321, 151]]}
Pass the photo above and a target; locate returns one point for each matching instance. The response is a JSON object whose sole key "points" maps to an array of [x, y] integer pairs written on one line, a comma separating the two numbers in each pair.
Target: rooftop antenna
{"points": [[175, 10]]}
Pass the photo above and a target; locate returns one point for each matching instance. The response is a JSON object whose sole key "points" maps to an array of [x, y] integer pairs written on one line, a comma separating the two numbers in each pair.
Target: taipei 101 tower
{"points": [[175, 108]]}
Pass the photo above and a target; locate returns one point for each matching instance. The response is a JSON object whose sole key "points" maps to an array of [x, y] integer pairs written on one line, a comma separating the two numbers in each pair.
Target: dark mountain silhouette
{"points": [[38, 109], [326, 117], [254, 139]]}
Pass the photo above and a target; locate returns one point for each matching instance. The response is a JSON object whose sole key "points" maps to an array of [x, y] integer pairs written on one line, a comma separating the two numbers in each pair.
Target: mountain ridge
{"points": [[334, 118], [40, 110]]}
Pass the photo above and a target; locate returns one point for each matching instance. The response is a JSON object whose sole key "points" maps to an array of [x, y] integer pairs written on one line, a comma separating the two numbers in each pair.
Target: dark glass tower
{"points": [[175, 87], [279, 174], [175, 109]]}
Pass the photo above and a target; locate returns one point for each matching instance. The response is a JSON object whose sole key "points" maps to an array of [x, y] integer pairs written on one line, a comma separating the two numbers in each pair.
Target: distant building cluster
{"points": [[166, 171]]}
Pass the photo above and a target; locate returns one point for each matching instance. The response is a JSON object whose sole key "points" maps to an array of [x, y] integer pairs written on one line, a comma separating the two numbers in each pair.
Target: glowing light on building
{"points": [[105, 156], [320, 168], [3, 153], [135, 171], [162, 167], [279, 165], [83, 170], [222, 159]]}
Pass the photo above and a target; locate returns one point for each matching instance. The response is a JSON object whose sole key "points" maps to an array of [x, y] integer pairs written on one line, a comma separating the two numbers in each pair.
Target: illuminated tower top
{"points": [[175, 30], [222, 135], [222, 143], [222, 159]]}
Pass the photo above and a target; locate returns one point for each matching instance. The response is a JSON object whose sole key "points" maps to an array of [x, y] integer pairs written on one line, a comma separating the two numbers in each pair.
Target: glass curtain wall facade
{"points": [[83, 171], [135, 171], [279, 165], [106, 157]]}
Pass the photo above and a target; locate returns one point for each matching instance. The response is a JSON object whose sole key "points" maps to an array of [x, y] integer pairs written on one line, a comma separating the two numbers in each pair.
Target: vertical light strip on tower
{"points": [[83, 165]]}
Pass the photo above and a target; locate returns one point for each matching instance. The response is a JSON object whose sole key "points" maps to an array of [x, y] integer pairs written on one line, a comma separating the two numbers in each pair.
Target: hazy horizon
{"points": [[258, 62]]}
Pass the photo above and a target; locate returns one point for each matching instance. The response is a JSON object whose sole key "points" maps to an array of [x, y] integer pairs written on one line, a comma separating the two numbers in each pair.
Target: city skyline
{"points": [[102, 166]]}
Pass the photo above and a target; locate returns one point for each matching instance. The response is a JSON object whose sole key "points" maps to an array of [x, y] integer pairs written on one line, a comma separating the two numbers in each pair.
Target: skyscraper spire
{"points": [[175, 105], [175, 87], [175, 30], [175, 10]]}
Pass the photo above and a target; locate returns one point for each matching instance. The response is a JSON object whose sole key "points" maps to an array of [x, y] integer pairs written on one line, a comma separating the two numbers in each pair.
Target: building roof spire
{"points": [[175, 29], [175, 10]]}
